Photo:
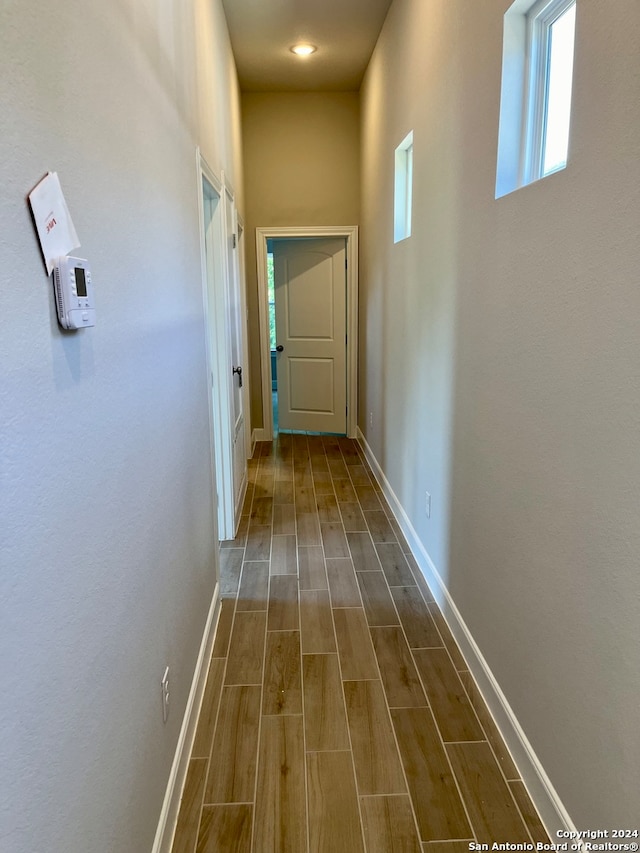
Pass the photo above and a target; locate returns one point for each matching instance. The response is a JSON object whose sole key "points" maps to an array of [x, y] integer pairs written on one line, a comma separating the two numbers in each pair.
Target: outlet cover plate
{"points": [[165, 695]]}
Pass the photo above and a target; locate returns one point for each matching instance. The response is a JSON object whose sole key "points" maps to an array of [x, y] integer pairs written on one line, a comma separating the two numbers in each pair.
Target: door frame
{"points": [[211, 190], [350, 234]]}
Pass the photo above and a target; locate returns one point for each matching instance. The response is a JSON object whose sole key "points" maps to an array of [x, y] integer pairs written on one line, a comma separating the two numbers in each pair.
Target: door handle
{"points": [[279, 348], [238, 370]]}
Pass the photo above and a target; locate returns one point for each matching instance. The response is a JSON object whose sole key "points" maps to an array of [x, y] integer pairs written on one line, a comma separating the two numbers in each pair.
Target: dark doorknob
{"points": [[279, 348]]}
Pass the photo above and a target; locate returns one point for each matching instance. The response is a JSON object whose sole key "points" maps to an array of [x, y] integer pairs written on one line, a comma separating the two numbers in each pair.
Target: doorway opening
{"points": [[307, 282]]}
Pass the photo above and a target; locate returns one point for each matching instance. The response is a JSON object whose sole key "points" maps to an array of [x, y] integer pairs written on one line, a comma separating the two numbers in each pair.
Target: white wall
{"points": [[106, 507], [499, 359]]}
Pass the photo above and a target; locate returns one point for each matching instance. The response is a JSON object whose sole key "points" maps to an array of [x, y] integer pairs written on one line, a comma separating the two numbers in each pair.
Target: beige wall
{"points": [[301, 168], [499, 351], [107, 547]]}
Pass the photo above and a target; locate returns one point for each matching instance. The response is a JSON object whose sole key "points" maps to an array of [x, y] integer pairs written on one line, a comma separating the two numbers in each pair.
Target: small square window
{"points": [[537, 79], [402, 198]]}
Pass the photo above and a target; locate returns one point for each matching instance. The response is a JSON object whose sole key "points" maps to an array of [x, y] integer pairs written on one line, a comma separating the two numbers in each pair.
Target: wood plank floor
{"points": [[339, 715]]}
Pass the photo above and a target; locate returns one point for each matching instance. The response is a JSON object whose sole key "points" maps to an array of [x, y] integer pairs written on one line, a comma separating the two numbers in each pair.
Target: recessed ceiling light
{"points": [[303, 49]]}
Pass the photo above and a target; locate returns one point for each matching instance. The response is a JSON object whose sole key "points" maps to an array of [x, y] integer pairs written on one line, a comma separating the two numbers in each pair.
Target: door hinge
{"points": [[346, 264], [235, 241]]}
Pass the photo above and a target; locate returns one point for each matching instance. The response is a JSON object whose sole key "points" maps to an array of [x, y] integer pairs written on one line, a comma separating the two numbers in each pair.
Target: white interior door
{"points": [[237, 366], [216, 351], [225, 327], [311, 305]]}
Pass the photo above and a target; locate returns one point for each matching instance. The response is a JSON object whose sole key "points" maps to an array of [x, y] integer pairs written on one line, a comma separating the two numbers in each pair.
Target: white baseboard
{"points": [[258, 435], [171, 805], [544, 796], [240, 502]]}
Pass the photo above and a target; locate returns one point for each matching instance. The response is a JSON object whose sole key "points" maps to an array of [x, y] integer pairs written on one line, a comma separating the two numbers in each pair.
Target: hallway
{"points": [[339, 715]]}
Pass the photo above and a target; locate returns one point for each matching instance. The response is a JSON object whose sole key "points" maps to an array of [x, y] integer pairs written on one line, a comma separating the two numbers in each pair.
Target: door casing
{"points": [[350, 234]]}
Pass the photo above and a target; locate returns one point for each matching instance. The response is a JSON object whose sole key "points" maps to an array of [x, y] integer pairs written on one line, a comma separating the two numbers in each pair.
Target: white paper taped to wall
{"points": [[55, 229]]}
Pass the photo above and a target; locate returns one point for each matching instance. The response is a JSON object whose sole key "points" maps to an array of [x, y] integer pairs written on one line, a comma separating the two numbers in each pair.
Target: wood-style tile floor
{"points": [[339, 715]]}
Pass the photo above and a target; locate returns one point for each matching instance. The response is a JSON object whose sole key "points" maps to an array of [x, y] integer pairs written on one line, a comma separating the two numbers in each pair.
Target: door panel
{"points": [[311, 385], [310, 301], [310, 293], [235, 327]]}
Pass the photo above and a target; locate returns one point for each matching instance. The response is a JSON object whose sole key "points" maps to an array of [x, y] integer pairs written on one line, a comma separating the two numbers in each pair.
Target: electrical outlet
{"points": [[165, 695], [370, 419], [428, 504]]}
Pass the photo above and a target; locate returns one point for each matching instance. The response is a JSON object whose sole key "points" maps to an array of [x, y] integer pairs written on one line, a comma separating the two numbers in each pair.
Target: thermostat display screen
{"points": [[81, 282], [73, 292]]}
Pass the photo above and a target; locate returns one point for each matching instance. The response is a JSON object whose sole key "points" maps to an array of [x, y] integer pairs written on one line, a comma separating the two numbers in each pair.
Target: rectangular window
{"points": [[403, 190], [537, 80]]}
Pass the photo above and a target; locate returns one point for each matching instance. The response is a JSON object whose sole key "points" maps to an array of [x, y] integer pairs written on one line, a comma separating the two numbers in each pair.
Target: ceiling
{"points": [[344, 31]]}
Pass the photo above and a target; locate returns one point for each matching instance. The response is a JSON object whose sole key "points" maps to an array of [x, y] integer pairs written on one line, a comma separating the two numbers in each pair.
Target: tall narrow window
{"points": [[537, 80], [403, 189]]}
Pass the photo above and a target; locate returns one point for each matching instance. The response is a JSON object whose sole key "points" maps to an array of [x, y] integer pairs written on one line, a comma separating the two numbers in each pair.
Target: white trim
{"points": [[166, 828], [257, 435], [543, 794], [350, 233]]}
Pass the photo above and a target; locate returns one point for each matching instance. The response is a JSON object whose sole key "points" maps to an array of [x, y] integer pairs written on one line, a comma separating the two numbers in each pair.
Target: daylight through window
{"points": [[558, 97], [537, 81], [403, 189]]}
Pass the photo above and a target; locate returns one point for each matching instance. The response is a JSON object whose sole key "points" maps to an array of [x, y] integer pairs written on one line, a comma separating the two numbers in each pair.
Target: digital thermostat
{"points": [[74, 293]]}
